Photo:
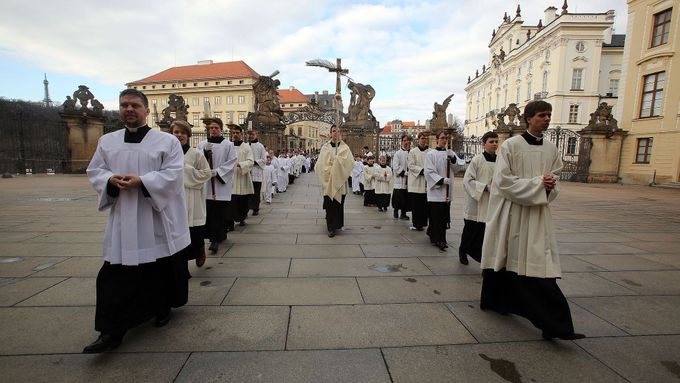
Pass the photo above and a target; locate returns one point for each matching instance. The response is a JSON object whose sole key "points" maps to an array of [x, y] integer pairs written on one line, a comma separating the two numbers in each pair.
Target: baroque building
{"points": [[302, 135], [227, 87], [649, 153], [571, 60]]}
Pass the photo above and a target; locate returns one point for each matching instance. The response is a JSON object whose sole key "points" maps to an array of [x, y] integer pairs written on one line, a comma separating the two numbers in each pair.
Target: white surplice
{"points": [[223, 162], [357, 175], [259, 161], [383, 180], [400, 164], [196, 174], [267, 183], [519, 230], [142, 229], [282, 170], [477, 177], [437, 162], [415, 164], [243, 184]]}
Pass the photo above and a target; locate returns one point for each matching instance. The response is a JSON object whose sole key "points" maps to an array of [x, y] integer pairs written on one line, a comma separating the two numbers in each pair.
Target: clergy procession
{"points": [[167, 198]]}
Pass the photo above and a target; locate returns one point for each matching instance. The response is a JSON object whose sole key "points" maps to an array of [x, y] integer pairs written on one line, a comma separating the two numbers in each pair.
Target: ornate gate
{"points": [[575, 152]]}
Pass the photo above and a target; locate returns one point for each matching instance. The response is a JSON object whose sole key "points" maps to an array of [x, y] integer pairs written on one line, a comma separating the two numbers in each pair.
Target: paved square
{"points": [[282, 302]]}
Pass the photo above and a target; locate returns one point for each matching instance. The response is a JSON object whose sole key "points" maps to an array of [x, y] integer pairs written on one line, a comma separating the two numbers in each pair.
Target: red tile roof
{"points": [[289, 96], [386, 129], [232, 69]]}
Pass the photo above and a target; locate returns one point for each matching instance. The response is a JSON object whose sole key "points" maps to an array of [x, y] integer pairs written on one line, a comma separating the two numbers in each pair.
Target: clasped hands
{"points": [[125, 182], [549, 182]]}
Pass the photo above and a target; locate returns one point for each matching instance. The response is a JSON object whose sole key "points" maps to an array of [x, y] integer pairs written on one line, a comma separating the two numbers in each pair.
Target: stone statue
{"points": [[267, 108], [97, 107], [83, 95], [438, 121], [360, 102], [512, 112], [69, 104], [603, 119], [175, 105]]}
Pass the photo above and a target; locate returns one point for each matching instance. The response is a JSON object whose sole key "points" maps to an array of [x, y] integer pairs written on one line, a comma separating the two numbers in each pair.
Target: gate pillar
{"points": [[605, 154]]}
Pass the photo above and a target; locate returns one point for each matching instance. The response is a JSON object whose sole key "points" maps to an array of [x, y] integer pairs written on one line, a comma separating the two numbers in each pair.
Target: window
{"points": [[519, 72], [644, 150], [194, 101], [195, 84], [241, 118], [547, 55], [217, 83], [517, 98], [217, 115], [241, 99], [498, 100], [573, 114], [529, 90], [173, 85], [153, 102], [505, 97], [230, 99], [144, 87], [662, 26], [571, 145], [205, 83], [544, 88], [164, 102], [228, 82], [197, 120], [300, 131], [580, 47], [218, 100], [652, 95], [614, 86], [206, 100], [576, 79], [153, 86], [241, 82], [184, 85], [230, 117]]}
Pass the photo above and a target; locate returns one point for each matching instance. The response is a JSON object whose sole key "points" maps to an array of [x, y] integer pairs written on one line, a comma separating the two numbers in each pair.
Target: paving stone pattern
{"points": [[282, 302]]}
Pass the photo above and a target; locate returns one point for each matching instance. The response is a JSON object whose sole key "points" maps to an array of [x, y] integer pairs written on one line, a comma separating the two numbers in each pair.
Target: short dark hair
{"points": [[422, 134], [136, 93], [534, 107], [488, 135], [405, 136], [235, 127], [208, 121]]}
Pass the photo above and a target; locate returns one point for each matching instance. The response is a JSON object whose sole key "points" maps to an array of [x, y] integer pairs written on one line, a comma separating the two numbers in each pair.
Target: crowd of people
{"points": [[167, 198]]}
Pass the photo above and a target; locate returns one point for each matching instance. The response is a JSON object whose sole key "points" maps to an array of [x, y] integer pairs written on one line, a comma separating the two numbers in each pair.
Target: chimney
{"points": [[205, 62], [291, 88], [325, 93], [550, 15]]}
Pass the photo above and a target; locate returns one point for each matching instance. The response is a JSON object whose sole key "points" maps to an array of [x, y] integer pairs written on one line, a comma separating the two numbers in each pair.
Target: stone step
{"points": [[670, 185]]}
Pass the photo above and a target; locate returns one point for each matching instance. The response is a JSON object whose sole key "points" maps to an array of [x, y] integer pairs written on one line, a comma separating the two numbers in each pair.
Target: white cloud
{"points": [[413, 53]]}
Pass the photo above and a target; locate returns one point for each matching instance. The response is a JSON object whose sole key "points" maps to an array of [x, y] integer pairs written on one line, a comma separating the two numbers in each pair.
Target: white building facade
{"points": [[571, 60]]}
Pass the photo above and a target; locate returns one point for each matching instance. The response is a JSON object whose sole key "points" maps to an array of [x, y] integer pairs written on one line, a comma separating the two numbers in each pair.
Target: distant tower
{"points": [[47, 101]]}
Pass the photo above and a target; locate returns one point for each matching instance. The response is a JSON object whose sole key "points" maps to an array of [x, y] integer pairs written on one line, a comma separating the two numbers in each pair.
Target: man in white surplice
{"points": [[520, 257], [259, 162], [221, 156], [137, 172], [243, 183], [439, 180]]}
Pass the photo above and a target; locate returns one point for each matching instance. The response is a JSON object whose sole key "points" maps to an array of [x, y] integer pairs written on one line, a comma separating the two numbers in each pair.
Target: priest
{"points": [[520, 258], [333, 166], [137, 174], [221, 156]]}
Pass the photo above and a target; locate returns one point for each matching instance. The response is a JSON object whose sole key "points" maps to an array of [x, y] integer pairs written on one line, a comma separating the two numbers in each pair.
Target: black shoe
{"points": [[442, 246], [230, 228], [331, 233], [568, 336], [404, 217], [162, 319], [213, 247], [104, 343], [462, 256], [256, 212], [396, 214], [242, 223], [419, 228]]}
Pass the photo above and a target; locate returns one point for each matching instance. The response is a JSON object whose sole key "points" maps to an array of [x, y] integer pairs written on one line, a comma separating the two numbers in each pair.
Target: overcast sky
{"points": [[412, 52]]}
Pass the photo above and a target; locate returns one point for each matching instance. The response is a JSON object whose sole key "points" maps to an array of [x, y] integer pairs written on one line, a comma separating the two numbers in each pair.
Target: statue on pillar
{"points": [[360, 102], [602, 119], [438, 121], [267, 108], [83, 95]]}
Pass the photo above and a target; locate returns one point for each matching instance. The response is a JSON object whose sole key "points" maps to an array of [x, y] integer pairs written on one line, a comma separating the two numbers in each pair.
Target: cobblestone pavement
{"points": [[282, 302]]}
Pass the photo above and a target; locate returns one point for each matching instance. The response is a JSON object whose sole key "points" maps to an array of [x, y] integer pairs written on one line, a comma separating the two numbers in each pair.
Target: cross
{"points": [[339, 71]]}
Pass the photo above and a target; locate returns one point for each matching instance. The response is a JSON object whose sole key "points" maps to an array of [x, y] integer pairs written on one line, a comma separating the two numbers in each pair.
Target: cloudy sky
{"points": [[413, 52]]}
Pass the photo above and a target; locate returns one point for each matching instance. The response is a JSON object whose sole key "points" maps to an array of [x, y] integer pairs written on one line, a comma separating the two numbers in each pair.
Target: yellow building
{"points": [[227, 87], [652, 111], [302, 135], [571, 60]]}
